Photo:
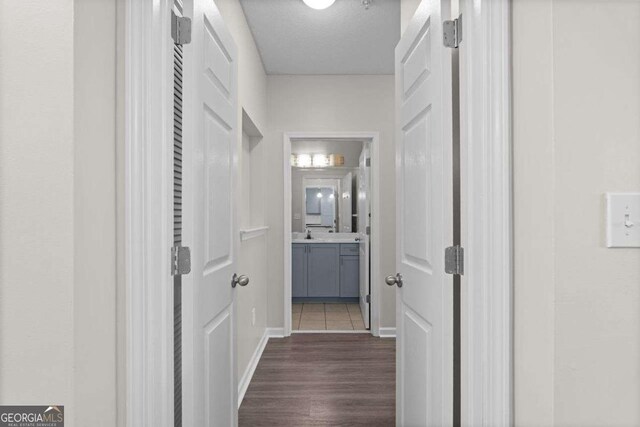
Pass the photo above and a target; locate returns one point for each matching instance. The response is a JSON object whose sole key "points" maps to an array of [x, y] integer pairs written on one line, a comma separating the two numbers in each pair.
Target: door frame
{"points": [[486, 214], [375, 285], [145, 227]]}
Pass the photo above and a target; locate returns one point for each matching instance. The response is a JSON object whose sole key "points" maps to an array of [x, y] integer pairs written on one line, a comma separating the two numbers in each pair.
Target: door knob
{"points": [[394, 280], [241, 280]]}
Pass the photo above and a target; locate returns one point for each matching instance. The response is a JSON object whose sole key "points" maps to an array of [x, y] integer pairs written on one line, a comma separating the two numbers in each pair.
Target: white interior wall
{"points": [[407, 9], [58, 207], [95, 211], [244, 163], [37, 202], [252, 83], [251, 210], [576, 136], [252, 97], [329, 104], [533, 213], [252, 254]]}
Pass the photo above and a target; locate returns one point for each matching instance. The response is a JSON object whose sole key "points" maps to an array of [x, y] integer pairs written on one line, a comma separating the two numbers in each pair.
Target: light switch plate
{"points": [[623, 220]]}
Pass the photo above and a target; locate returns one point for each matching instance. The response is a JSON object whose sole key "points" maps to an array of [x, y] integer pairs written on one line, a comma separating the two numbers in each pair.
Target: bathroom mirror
{"points": [[321, 208]]}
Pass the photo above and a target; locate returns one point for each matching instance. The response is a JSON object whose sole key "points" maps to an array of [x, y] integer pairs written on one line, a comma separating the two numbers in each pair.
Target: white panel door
{"points": [[364, 221], [424, 221], [210, 167]]}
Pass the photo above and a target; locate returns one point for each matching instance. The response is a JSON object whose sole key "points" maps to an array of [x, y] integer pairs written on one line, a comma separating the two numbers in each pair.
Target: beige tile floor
{"points": [[326, 317]]}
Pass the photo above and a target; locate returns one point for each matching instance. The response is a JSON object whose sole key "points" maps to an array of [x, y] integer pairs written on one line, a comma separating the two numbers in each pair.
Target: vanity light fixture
{"points": [[319, 195], [336, 160], [346, 195], [313, 160], [319, 4], [332, 196], [320, 161], [303, 160]]}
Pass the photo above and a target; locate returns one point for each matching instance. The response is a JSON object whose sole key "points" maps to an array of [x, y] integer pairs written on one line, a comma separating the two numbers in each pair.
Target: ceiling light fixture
{"points": [[318, 4]]}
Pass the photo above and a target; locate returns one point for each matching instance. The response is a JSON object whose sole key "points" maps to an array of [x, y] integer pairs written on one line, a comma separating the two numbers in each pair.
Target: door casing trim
{"points": [[146, 286], [376, 292], [487, 214]]}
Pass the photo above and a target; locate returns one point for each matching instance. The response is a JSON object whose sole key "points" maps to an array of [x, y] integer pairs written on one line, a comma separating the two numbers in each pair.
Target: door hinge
{"points": [[454, 260], [368, 162], [452, 32], [180, 29], [180, 260], [367, 299], [368, 230]]}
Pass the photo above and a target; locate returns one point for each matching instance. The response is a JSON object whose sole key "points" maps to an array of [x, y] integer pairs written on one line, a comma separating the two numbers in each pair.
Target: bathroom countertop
{"points": [[324, 240]]}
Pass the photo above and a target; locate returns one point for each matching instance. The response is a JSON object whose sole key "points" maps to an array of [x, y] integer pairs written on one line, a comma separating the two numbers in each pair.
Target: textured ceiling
{"points": [[344, 39]]}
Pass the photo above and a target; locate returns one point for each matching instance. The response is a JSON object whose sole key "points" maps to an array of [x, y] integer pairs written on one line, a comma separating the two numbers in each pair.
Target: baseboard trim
{"points": [[387, 332], [243, 385], [275, 332]]}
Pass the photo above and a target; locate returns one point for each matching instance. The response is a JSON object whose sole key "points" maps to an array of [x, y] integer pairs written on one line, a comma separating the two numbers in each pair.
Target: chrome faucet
{"points": [[308, 234]]}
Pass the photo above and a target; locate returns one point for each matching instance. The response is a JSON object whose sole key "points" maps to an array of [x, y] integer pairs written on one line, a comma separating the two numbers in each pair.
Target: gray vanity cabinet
{"points": [[323, 274], [299, 270], [325, 270], [349, 276]]}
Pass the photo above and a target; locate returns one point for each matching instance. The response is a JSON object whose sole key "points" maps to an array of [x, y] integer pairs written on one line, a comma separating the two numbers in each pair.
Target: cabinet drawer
{"points": [[349, 249]]}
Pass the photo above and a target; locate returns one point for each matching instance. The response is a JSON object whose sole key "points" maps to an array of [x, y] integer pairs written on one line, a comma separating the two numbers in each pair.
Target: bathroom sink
{"points": [[326, 238]]}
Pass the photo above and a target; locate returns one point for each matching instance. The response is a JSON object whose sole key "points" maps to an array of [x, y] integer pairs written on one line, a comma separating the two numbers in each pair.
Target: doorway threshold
{"points": [[337, 331]]}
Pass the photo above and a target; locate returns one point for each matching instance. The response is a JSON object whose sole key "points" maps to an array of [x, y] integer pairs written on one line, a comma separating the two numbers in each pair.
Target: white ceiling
{"points": [[344, 39]]}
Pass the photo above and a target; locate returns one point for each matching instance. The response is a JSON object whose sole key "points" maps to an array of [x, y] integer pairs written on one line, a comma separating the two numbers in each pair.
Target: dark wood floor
{"points": [[323, 380]]}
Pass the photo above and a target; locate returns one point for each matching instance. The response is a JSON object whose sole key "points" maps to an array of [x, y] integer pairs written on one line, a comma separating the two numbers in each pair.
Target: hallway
{"points": [[323, 379]]}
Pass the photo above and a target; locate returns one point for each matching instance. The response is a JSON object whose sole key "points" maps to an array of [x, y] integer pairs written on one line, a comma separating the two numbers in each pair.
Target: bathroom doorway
{"points": [[331, 233]]}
